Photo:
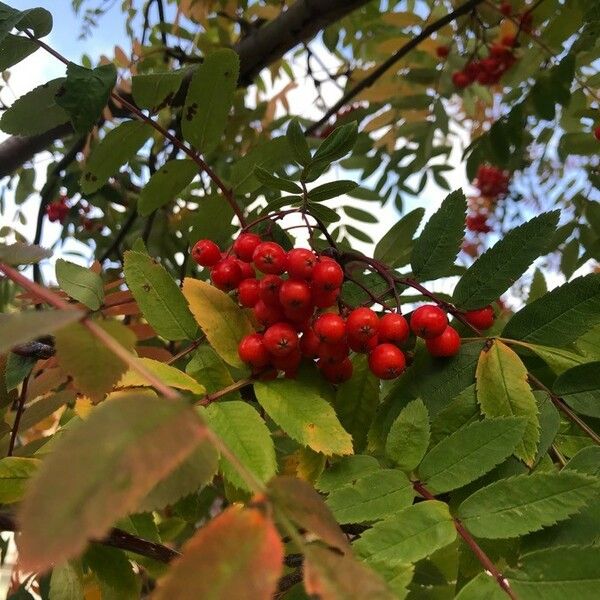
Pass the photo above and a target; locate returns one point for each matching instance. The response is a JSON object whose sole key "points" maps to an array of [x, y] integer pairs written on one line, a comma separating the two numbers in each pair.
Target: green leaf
{"points": [[395, 246], [18, 328], [85, 93], [503, 391], [80, 283], [237, 555], [155, 90], [209, 99], [298, 143], [560, 316], [470, 452], [299, 408], [557, 573], [524, 503], [38, 20], [580, 389], [164, 186], [158, 297], [20, 253], [169, 375], [66, 582], [558, 359], [80, 353], [462, 410], [15, 48], [115, 149], [15, 473], [337, 144], [408, 438], [436, 249], [247, 436], [212, 220], [115, 457], [206, 367], [331, 190], [277, 183], [410, 535], [114, 573], [356, 401], [191, 475], [482, 587], [345, 470], [500, 266], [371, 497], [220, 318]]}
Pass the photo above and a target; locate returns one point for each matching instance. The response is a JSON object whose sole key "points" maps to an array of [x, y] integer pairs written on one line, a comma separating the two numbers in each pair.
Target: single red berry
{"points": [[428, 321], [309, 344], [336, 372], [245, 245], [253, 351], [248, 292], [597, 132], [362, 323], [508, 40], [300, 317], [325, 298], [460, 79], [269, 289], [361, 345], [270, 257], [333, 353], [482, 318], [327, 275], [280, 339], [506, 9], [300, 263], [393, 328], [267, 315], [206, 253], [330, 328], [386, 361], [247, 269], [295, 294], [288, 363], [442, 51], [445, 345], [226, 274]]}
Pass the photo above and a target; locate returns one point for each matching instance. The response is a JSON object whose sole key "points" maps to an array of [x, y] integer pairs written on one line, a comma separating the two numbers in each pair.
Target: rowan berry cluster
{"points": [[491, 181], [58, 209], [290, 297], [489, 70]]}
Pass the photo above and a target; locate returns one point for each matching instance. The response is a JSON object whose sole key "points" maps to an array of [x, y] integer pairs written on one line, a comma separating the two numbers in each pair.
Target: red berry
{"points": [[362, 323], [300, 317], [245, 245], [325, 298], [295, 294], [288, 363], [460, 79], [300, 263], [206, 253], [270, 257], [327, 275], [309, 343], [387, 361], [393, 328], [253, 352], [336, 372], [333, 353], [482, 318], [330, 328], [508, 40], [269, 289], [597, 132], [428, 321], [506, 9], [247, 269], [267, 315], [364, 346], [280, 339], [248, 292], [444, 345], [227, 274], [442, 51]]}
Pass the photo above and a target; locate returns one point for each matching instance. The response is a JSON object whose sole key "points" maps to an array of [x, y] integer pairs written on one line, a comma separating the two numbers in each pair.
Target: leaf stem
{"points": [[19, 414]]}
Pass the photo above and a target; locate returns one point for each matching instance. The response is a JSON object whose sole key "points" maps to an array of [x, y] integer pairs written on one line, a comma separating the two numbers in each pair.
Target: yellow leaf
{"points": [[167, 374], [380, 121], [402, 19]]}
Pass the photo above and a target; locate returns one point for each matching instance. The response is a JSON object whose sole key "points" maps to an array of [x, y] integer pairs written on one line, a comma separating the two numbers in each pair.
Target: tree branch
{"points": [[392, 60]]}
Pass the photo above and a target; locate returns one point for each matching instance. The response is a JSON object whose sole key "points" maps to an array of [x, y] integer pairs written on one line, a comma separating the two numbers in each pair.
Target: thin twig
{"points": [[20, 411]]}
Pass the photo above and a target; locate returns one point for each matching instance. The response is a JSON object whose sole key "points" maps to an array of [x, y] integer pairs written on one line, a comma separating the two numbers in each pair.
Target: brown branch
{"points": [[481, 556], [392, 60], [19, 414]]}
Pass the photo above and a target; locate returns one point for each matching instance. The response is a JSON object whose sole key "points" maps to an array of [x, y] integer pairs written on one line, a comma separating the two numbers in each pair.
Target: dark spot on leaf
{"points": [[146, 287]]}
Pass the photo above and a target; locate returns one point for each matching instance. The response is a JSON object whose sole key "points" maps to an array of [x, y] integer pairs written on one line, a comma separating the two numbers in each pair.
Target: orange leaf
{"points": [[238, 555]]}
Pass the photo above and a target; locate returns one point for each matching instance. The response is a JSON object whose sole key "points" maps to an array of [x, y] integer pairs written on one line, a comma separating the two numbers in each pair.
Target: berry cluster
{"points": [[491, 181], [288, 299], [489, 70], [477, 222], [58, 209]]}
